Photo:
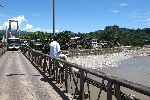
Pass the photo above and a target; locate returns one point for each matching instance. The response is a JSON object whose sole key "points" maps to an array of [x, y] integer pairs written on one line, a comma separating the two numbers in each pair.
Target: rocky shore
{"points": [[107, 60]]}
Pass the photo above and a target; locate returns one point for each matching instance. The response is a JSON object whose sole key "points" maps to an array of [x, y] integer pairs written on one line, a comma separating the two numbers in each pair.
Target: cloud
{"points": [[20, 19], [38, 29], [148, 19], [1, 27], [123, 4], [13, 24], [114, 11], [28, 27], [139, 16]]}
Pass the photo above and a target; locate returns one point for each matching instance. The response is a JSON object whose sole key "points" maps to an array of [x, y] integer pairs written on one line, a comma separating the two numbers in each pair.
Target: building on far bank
{"points": [[77, 42], [75, 39], [97, 44], [74, 42]]}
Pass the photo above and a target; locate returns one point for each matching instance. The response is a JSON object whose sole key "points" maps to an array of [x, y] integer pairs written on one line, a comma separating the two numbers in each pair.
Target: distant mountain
{"points": [[3, 32], [25, 32]]}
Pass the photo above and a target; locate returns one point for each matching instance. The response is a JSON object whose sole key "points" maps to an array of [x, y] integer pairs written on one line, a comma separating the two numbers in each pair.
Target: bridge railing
{"points": [[2, 51], [83, 83]]}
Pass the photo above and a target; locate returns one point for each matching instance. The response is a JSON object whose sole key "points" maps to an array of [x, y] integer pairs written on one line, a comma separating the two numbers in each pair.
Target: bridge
{"points": [[30, 75]]}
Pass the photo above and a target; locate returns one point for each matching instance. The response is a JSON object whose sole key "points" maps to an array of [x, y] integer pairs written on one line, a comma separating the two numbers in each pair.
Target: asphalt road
{"points": [[20, 80]]}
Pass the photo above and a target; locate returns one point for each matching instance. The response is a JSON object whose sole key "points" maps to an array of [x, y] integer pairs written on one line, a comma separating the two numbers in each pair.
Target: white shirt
{"points": [[54, 49]]}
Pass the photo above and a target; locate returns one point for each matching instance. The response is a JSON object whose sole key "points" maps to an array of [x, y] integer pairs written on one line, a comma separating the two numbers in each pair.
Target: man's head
{"points": [[55, 38]]}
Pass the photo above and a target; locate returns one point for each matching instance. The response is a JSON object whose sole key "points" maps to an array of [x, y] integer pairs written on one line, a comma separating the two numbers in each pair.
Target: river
{"points": [[135, 69]]}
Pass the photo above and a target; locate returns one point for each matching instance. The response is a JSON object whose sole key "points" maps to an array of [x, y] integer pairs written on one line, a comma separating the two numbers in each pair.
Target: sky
{"points": [[75, 15]]}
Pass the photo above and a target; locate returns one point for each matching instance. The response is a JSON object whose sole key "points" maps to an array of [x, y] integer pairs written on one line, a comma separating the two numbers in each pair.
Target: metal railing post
{"points": [[109, 90], [117, 91], [81, 95]]}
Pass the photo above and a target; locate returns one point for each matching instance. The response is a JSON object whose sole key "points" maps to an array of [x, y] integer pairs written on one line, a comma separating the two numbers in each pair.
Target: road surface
{"points": [[20, 80]]}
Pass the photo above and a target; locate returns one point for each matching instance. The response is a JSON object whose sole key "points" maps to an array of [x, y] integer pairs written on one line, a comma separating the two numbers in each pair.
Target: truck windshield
{"points": [[13, 41]]}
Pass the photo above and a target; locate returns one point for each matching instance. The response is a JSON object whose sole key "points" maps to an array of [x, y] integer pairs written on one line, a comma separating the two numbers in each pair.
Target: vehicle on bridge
{"points": [[13, 43]]}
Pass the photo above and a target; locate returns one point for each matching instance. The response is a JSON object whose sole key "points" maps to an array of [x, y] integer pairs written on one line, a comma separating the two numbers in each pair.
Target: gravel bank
{"points": [[106, 60]]}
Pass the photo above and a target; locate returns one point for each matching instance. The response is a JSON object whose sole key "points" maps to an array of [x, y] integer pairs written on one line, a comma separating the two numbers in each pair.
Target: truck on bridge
{"points": [[13, 42]]}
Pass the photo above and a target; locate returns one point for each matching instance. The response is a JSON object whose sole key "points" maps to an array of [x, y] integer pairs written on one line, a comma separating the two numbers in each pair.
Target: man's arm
{"points": [[58, 48]]}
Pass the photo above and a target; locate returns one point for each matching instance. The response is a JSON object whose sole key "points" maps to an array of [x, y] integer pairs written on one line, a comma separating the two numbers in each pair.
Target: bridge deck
{"points": [[20, 80]]}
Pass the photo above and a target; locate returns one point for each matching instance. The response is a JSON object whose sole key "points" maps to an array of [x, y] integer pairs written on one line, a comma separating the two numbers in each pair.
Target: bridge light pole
{"points": [[53, 17]]}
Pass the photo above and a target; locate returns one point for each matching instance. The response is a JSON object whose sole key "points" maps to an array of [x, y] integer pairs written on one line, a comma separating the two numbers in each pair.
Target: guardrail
{"points": [[81, 82], [2, 51]]}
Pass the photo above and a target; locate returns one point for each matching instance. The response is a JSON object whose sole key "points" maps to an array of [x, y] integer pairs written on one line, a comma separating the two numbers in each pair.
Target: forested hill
{"points": [[14, 32], [3, 33], [124, 36]]}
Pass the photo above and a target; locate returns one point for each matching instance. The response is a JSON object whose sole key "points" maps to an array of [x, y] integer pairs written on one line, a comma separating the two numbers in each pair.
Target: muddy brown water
{"points": [[135, 69]]}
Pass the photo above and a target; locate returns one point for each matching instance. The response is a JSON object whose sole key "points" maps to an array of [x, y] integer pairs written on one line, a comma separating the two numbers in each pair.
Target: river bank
{"points": [[107, 60]]}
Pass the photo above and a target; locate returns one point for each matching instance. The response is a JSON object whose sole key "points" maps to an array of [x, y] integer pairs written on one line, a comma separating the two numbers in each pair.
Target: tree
{"points": [[64, 37]]}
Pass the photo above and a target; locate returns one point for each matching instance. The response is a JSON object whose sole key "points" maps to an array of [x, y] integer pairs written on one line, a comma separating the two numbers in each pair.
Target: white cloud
{"points": [[139, 16], [37, 29], [28, 27], [32, 29], [114, 11], [1, 27], [148, 19], [5, 24], [123, 4], [20, 19]]}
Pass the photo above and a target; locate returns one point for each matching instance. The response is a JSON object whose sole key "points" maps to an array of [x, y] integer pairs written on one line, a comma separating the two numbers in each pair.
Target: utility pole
{"points": [[53, 17]]}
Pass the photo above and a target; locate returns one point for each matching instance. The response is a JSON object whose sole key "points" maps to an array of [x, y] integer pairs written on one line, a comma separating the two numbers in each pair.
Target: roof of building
{"points": [[74, 38]]}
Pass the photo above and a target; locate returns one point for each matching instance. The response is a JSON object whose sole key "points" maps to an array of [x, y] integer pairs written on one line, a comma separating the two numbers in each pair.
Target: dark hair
{"points": [[55, 38]]}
